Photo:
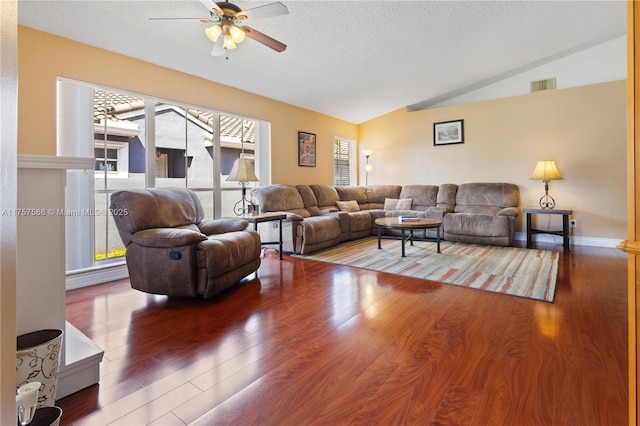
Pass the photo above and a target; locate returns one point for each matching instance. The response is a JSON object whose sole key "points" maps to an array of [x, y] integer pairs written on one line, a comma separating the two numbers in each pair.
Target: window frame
{"points": [[350, 171], [98, 271], [122, 157]]}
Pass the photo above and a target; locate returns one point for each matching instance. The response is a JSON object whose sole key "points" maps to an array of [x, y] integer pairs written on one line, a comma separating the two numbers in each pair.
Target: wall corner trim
{"points": [[30, 161]]}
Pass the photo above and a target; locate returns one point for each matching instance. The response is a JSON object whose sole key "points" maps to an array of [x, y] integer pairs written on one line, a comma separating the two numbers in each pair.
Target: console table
{"points": [[565, 224]]}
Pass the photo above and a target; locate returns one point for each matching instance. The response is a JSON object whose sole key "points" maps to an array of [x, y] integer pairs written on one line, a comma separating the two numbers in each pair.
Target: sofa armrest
{"points": [[293, 217], [167, 237], [328, 210], [442, 209], [436, 213], [337, 214], [222, 226], [508, 211]]}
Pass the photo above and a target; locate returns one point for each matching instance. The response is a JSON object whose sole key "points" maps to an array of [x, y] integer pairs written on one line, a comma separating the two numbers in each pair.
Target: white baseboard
{"points": [[576, 241], [96, 276]]}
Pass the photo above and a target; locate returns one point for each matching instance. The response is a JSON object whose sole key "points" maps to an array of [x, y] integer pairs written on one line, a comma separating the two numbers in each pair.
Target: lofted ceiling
{"points": [[353, 60]]}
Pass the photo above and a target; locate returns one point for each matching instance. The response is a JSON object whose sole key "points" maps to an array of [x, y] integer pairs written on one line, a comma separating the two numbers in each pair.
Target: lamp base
{"points": [[547, 202], [243, 207]]}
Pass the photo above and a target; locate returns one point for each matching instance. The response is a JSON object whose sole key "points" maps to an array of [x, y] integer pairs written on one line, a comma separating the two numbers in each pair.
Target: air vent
{"points": [[548, 84]]}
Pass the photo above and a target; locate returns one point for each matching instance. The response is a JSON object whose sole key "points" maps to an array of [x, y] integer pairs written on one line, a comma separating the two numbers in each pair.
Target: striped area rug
{"points": [[509, 270]]}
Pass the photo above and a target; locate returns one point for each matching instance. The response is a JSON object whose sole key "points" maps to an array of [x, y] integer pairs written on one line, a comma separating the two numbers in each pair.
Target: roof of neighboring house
{"points": [[118, 103]]}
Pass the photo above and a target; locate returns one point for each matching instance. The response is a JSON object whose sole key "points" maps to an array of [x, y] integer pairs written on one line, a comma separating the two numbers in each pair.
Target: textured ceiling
{"points": [[353, 60]]}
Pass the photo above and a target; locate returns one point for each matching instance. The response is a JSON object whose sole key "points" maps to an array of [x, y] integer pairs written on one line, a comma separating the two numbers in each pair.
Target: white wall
{"points": [[599, 64]]}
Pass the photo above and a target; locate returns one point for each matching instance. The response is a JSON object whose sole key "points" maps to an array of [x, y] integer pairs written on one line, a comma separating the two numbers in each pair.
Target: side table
{"points": [[256, 219], [565, 224]]}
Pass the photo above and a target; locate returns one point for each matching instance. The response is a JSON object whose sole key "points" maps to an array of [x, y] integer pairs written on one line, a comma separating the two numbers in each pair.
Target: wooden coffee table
{"points": [[421, 223]]}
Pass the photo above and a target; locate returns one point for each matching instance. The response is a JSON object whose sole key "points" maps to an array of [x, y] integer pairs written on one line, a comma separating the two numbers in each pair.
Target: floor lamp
{"points": [[367, 167]]}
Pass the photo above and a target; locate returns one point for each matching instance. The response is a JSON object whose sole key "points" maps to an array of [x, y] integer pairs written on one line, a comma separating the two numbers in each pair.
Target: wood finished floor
{"points": [[310, 343]]}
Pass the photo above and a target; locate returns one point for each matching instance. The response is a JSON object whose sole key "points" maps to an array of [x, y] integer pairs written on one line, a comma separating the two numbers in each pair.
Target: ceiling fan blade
{"points": [[264, 39], [218, 47], [266, 11], [212, 6], [178, 20]]}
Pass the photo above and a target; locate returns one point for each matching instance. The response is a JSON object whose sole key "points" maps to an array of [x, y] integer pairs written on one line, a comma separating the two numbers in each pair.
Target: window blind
{"points": [[341, 169]]}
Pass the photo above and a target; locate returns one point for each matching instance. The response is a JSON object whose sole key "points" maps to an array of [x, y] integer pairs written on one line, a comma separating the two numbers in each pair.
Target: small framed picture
{"points": [[306, 149], [448, 132]]}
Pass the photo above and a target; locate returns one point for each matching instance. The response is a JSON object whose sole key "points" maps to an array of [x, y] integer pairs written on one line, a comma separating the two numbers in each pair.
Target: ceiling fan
{"points": [[228, 27]]}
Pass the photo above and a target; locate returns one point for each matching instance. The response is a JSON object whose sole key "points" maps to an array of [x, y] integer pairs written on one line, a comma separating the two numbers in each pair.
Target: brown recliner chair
{"points": [[170, 248]]}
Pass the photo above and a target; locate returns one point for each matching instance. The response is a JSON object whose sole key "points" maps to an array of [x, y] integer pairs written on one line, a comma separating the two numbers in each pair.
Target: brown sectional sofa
{"points": [[321, 216]]}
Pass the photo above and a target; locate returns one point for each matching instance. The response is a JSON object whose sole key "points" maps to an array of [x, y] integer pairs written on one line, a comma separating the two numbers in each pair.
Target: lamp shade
{"points": [[236, 34], [213, 32], [367, 152], [546, 170], [242, 171], [228, 41]]}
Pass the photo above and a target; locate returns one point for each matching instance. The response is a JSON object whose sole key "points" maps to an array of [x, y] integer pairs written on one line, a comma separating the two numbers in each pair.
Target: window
{"points": [[106, 160], [342, 162], [141, 142], [119, 151], [112, 158]]}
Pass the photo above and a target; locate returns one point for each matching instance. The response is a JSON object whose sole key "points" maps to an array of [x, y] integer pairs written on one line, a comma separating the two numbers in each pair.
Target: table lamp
{"points": [[546, 171], [242, 171]]}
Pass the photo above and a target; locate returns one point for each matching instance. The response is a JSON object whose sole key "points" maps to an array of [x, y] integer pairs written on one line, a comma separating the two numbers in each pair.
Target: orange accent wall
{"points": [[43, 57]]}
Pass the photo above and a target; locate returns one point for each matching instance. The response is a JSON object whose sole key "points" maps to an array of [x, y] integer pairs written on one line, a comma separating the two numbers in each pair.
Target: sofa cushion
{"points": [[316, 233], [348, 206], [447, 197], [220, 226], [476, 225], [326, 196], [397, 204], [280, 197], [221, 253], [308, 199], [471, 197], [359, 224], [422, 196], [157, 208], [167, 237], [357, 193], [377, 193]]}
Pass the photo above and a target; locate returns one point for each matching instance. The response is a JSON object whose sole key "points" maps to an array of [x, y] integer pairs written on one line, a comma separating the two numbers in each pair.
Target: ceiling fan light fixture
{"points": [[227, 20], [228, 41], [236, 34], [213, 32]]}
